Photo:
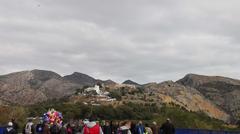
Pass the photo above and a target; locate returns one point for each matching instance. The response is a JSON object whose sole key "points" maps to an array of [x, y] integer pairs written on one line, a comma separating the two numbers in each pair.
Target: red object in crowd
{"points": [[93, 130]]}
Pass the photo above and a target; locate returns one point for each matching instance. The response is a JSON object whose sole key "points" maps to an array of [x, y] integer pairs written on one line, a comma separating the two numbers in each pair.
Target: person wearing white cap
{"points": [[154, 127], [10, 129]]}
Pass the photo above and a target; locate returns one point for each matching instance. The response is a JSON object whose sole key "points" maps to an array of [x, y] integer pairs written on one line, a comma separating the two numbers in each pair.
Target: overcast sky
{"points": [[142, 40]]}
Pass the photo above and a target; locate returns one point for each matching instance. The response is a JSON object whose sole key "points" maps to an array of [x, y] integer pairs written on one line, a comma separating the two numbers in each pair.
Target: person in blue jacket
{"points": [[139, 128]]}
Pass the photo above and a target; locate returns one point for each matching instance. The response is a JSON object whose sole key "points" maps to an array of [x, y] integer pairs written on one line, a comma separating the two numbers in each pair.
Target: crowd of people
{"points": [[91, 126]]}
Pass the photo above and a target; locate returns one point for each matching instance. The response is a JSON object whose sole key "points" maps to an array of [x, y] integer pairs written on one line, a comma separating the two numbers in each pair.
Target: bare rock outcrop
{"points": [[186, 97]]}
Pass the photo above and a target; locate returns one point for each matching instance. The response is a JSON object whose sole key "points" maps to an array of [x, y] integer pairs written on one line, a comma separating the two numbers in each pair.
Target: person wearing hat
{"points": [[167, 127], [10, 129], [154, 127]]}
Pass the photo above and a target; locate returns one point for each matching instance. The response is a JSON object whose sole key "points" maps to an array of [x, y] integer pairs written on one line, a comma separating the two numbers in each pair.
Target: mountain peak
{"points": [[80, 78], [195, 80], [130, 82], [45, 74]]}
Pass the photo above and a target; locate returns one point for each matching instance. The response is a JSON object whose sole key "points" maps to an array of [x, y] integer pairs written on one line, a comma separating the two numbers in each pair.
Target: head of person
{"points": [[103, 123], [107, 123], [93, 119], [115, 123], [121, 123], [10, 124], [127, 124], [45, 122], [30, 120], [13, 120], [154, 123], [140, 122], [80, 122], [85, 121], [168, 120]]}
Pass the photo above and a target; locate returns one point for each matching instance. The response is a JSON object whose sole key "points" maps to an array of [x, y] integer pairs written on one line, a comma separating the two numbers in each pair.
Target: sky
{"points": [[142, 40]]}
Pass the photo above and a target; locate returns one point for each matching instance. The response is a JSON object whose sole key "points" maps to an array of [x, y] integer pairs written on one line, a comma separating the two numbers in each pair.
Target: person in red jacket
{"points": [[92, 127]]}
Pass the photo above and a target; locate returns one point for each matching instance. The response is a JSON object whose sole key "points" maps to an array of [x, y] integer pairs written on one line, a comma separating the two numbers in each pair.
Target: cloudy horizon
{"points": [[145, 41]]}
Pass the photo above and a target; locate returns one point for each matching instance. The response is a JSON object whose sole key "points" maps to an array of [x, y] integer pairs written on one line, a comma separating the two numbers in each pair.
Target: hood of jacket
{"points": [[91, 124], [124, 128]]}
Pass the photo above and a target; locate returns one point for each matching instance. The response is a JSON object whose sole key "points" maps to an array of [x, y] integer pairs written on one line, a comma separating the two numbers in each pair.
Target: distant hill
{"points": [[130, 82], [30, 87], [107, 82], [80, 78]]}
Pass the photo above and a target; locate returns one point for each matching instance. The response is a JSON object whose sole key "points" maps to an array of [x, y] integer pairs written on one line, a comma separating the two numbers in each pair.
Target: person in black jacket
{"points": [[54, 129], [10, 129], [167, 128], [107, 128], [15, 124], [115, 126], [39, 127]]}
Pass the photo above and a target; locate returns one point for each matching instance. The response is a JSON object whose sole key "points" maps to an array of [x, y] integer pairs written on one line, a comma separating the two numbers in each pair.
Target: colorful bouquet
{"points": [[53, 116]]}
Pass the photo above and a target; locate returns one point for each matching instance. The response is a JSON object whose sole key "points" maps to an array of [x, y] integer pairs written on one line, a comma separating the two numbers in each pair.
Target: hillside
{"points": [[160, 94], [224, 92], [30, 87], [188, 98], [217, 97]]}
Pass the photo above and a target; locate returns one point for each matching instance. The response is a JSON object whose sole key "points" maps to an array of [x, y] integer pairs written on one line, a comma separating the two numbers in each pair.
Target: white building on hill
{"points": [[95, 88]]}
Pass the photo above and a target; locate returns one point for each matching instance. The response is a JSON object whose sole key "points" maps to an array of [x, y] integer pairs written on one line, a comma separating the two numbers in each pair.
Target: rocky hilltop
{"points": [[224, 92]]}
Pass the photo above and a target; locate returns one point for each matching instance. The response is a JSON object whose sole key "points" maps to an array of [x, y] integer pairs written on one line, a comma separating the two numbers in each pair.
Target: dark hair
{"points": [[13, 119], [93, 118], [126, 122]]}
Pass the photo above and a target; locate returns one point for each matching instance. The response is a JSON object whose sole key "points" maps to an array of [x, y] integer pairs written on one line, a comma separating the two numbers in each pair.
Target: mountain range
{"points": [[218, 97]]}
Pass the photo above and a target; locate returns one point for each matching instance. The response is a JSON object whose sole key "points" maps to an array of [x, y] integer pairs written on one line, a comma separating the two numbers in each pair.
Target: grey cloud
{"points": [[140, 40]]}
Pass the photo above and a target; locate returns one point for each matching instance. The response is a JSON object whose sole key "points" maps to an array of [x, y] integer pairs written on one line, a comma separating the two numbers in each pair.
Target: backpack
{"points": [[28, 128]]}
